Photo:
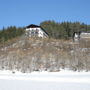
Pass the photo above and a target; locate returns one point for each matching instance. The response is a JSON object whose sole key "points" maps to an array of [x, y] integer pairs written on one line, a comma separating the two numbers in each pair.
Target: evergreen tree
{"points": [[63, 30]]}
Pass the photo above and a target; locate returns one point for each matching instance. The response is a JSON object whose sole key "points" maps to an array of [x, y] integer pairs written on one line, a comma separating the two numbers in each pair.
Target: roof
{"points": [[32, 26], [44, 30]]}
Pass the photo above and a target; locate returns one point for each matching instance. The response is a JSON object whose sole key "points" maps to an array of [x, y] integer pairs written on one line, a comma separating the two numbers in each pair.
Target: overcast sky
{"points": [[25, 12]]}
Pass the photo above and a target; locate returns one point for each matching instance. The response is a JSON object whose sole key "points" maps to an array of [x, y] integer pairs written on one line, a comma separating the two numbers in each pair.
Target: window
{"points": [[36, 32]]}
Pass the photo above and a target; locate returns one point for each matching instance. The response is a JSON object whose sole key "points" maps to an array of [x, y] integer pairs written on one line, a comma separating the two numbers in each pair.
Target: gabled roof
{"points": [[32, 26], [44, 30]]}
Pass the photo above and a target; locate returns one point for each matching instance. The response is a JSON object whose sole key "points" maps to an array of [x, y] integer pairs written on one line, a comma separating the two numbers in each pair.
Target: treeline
{"points": [[10, 32], [63, 30]]}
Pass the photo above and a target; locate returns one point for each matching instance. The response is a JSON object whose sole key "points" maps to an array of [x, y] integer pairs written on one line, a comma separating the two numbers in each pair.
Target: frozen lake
{"points": [[46, 81]]}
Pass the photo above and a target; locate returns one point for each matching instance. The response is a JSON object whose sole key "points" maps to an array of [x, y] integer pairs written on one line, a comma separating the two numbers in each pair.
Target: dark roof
{"points": [[44, 30], [32, 26]]}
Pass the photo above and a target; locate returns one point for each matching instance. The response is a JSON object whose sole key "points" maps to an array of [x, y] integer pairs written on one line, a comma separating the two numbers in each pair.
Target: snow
{"points": [[63, 80]]}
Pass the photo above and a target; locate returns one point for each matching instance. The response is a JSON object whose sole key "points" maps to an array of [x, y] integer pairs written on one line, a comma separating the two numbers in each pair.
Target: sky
{"points": [[21, 13]]}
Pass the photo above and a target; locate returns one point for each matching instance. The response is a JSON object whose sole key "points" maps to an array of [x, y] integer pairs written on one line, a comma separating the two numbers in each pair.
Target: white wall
{"points": [[40, 31]]}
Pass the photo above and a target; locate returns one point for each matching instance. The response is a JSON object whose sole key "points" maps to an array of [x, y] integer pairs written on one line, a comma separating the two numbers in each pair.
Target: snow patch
{"points": [[64, 76]]}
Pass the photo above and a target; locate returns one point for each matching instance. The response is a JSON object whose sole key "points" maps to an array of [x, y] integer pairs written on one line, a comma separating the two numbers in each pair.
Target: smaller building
{"points": [[35, 31], [83, 35], [76, 36]]}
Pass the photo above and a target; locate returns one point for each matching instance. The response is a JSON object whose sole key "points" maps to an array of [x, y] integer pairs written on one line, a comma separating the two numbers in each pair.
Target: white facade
{"points": [[76, 37], [81, 35], [36, 32], [85, 35]]}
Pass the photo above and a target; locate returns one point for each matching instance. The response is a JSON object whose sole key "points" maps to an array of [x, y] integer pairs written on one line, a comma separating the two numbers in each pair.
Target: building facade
{"points": [[35, 31], [81, 35]]}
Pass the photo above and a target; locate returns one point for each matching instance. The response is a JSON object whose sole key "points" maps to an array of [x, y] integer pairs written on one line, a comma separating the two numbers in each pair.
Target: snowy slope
{"points": [[64, 80]]}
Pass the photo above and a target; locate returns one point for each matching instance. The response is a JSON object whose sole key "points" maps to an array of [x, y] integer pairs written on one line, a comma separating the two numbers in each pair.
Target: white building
{"points": [[35, 31], [85, 35], [76, 36], [81, 35]]}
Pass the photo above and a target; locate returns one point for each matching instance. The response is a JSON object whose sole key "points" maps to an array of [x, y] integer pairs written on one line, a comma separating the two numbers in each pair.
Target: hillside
{"points": [[18, 52], [31, 54]]}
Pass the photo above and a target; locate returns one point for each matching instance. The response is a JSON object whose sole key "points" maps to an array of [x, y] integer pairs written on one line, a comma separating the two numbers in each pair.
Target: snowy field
{"points": [[64, 80]]}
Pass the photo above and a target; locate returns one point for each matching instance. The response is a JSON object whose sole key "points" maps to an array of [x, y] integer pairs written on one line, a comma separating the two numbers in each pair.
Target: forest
{"points": [[63, 30], [10, 33]]}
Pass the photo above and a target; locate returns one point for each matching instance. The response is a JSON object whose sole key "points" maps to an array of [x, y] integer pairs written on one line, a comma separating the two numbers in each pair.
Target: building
{"points": [[83, 35], [35, 31], [76, 36]]}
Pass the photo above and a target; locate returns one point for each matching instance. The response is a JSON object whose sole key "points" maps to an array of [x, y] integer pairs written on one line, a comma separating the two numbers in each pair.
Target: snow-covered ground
{"points": [[64, 80]]}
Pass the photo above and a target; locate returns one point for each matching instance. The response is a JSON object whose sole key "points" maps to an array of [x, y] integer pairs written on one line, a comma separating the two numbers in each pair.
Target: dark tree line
{"points": [[63, 30], [10, 32], [56, 30]]}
